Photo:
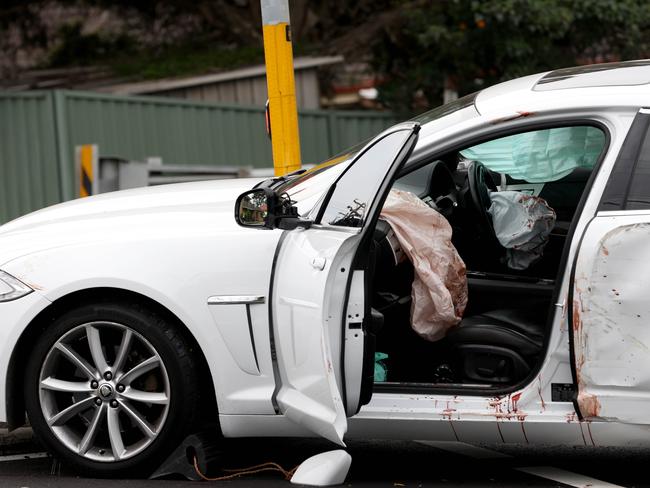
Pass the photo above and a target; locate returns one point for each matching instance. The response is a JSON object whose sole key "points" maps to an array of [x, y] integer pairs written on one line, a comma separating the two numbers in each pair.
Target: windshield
{"points": [[307, 188]]}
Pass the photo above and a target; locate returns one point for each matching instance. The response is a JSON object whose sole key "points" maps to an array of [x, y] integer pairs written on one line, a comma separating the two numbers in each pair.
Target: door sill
{"points": [[445, 388]]}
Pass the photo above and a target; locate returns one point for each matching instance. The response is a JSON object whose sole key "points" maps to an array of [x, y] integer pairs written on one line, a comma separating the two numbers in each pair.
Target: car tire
{"points": [[117, 415]]}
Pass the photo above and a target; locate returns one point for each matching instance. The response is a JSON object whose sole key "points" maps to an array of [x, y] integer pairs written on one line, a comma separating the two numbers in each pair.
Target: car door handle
{"points": [[319, 263]]}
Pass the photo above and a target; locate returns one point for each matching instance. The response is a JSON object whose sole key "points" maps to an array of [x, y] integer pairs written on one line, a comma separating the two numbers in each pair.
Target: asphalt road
{"points": [[378, 464]]}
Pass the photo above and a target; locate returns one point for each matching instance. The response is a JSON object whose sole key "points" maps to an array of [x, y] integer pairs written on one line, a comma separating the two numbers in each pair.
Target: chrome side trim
{"points": [[621, 213], [236, 299]]}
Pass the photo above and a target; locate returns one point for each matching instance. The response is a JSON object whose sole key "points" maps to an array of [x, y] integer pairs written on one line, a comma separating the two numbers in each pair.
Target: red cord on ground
{"points": [[270, 466]]}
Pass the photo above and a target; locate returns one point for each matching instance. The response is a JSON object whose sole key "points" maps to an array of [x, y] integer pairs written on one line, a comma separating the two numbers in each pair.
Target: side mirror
{"points": [[264, 209], [252, 208]]}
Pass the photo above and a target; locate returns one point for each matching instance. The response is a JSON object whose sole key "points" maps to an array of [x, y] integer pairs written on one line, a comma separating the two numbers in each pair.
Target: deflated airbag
{"points": [[439, 293], [543, 155], [522, 224]]}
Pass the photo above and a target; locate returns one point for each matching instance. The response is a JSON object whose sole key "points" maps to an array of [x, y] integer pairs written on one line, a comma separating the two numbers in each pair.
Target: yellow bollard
{"points": [[285, 138]]}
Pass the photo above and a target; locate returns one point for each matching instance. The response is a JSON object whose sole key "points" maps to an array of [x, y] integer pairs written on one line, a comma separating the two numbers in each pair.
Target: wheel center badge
{"points": [[105, 391]]}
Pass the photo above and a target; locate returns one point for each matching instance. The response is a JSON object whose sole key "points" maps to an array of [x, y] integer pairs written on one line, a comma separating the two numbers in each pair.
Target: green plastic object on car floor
{"points": [[381, 371]]}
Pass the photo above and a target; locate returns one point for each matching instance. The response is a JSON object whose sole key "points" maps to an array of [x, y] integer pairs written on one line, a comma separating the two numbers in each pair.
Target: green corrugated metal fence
{"points": [[39, 131], [29, 166]]}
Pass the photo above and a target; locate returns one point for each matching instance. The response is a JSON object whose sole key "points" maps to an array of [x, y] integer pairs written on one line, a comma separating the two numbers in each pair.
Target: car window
{"points": [[638, 196], [541, 156], [356, 189], [628, 185]]}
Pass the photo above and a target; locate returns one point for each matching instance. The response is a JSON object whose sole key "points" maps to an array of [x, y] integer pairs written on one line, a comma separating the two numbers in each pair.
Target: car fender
{"points": [[180, 272]]}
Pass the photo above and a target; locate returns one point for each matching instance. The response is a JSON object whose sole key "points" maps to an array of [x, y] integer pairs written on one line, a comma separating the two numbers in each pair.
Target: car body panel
{"points": [[88, 220], [562, 429], [180, 246], [625, 73], [16, 316], [517, 98], [610, 312], [188, 244], [242, 347]]}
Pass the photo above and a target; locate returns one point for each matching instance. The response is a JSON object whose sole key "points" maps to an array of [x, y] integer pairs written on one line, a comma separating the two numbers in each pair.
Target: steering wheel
{"points": [[480, 184], [443, 195]]}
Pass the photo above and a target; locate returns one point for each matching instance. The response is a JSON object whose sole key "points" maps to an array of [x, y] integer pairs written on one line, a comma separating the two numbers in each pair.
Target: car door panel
{"points": [[314, 284], [354, 342], [309, 393], [609, 318], [610, 309]]}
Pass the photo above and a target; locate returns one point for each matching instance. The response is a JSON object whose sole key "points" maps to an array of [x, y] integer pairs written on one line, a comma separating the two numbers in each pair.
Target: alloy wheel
{"points": [[104, 391]]}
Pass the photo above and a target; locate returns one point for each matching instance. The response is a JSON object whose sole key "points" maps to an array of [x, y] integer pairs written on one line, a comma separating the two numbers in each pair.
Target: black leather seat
{"points": [[500, 346]]}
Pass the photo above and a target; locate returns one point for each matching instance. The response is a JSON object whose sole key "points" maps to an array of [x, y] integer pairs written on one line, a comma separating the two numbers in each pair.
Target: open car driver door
{"points": [[321, 320]]}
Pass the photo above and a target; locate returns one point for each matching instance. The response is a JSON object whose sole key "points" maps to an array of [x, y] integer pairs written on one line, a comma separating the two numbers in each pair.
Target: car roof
{"points": [[624, 84]]}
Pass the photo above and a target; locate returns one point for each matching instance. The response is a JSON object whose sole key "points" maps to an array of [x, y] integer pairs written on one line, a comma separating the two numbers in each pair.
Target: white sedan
{"points": [[129, 320]]}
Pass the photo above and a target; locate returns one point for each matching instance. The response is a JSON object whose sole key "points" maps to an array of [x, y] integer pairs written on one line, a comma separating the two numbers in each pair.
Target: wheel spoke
{"points": [[67, 386], [92, 421], [77, 360], [115, 433], [95, 344], [146, 396], [89, 437], [139, 370], [76, 408], [122, 352], [140, 421]]}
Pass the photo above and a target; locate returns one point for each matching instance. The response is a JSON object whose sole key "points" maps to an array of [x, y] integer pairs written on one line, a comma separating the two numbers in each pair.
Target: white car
{"points": [[130, 319]]}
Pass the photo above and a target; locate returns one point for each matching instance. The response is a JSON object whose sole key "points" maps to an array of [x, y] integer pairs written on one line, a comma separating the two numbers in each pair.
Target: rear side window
{"points": [[638, 197], [628, 187]]}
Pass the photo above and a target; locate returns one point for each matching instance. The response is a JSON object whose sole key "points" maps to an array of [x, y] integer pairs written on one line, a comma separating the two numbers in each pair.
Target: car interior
{"points": [[500, 338]]}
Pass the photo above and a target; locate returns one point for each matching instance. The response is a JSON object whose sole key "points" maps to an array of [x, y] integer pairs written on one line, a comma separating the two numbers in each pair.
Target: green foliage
{"points": [[415, 46], [187, 59], [470, 44], [197, 57], [80, 49], [124, 58]]}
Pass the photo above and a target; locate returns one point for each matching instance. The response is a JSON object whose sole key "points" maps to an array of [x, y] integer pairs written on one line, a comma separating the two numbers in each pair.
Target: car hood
{"points": [[108, 215]]}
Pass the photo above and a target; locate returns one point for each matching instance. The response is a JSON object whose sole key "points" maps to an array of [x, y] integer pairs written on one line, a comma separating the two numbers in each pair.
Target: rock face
{"points": [[36, 30]]}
